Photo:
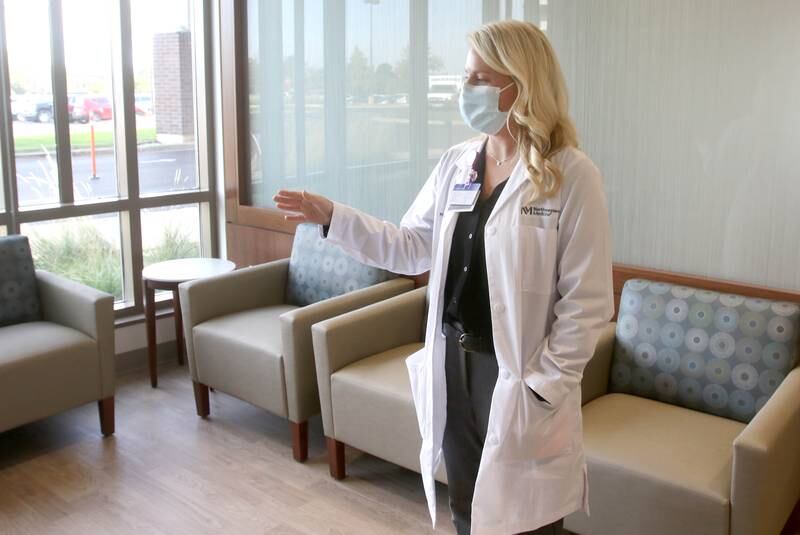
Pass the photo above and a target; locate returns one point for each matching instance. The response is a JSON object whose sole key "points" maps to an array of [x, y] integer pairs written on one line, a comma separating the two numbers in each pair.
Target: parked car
{"points": [[32, 108], [95, 107], [143, 104], [74, 106], [442, 94]]}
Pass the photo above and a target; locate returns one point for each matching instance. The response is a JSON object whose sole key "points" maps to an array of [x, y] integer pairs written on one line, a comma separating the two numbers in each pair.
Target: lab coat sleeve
{"points": [[404, 249], [585, 287]]}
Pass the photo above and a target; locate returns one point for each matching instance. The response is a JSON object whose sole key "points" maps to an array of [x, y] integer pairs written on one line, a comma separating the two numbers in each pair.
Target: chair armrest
{"points": [[84, 309], [595, 376], [765, 482], [236, 291], [348, 338], [302, 396]]}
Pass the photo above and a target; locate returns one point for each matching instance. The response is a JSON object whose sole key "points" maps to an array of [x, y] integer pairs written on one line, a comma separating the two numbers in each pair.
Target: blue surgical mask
{"points": [[480, 107]]}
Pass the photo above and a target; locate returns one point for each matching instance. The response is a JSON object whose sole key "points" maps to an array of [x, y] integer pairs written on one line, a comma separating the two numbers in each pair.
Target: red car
{"points": [[94, 108]]}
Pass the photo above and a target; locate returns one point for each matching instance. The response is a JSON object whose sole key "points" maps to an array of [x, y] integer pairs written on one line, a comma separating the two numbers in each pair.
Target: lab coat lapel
{"points": [[517, 180]]}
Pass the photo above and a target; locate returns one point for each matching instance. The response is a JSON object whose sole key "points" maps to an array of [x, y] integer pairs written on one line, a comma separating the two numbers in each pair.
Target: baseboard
{"points": [[137, 359]]}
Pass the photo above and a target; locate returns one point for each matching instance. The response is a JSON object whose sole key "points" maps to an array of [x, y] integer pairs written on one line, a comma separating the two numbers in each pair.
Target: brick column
{"points": [[173, 103]]}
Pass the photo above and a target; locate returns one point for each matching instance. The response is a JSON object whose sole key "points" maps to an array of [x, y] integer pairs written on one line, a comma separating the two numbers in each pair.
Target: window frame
{"points": [[130, 203]]}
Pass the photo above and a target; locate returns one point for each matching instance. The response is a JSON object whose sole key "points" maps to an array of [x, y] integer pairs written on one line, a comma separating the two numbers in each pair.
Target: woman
{"points": [[514, 230]]}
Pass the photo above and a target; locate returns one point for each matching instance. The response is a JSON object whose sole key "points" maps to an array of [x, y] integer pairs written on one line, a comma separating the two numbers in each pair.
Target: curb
{"points": [[153, 147]]}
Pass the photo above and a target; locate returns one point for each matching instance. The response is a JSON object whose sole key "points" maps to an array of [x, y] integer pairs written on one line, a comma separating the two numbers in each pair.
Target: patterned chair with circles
{"points": [[248, 332], [692, 415]]}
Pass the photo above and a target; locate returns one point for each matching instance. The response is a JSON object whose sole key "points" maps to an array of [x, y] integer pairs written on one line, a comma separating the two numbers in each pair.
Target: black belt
{"points": [[470, 343]]}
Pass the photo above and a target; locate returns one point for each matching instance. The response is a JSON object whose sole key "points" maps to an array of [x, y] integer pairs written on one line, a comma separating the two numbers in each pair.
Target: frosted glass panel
{"points": [[331, 103], [692, 112], [447, 36]]}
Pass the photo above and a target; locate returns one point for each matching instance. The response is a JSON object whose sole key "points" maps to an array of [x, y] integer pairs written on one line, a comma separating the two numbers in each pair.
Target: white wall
{"points": [[691, 108], [134, 337]]}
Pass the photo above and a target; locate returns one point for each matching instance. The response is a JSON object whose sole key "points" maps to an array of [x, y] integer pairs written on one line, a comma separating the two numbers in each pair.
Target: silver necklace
{"points": [[498, 161]]}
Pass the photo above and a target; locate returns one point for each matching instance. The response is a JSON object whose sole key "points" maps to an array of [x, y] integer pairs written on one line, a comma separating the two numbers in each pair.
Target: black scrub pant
{"points": [[470, 382]]}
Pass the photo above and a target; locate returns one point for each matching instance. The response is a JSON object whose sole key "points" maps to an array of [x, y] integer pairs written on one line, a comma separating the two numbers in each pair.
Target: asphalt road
{"points": [[160, 170]]}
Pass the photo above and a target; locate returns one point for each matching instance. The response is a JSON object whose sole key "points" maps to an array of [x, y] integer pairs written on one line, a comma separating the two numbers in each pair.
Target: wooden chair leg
{"points": [[299, 440], [336, 458], [150, 321], [201, 399], [179, 341], [105, 407], [792, 526]]}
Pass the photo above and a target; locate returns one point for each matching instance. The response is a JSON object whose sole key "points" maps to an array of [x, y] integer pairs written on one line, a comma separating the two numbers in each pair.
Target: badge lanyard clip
{"points": [[464, 195]]}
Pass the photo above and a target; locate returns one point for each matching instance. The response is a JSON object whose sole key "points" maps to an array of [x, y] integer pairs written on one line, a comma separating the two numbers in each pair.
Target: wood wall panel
{"points": [[623, 272], [248, 246]]}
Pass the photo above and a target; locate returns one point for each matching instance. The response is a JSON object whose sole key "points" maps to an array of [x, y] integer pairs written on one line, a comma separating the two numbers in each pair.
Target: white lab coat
{"points": [[548, 266]]}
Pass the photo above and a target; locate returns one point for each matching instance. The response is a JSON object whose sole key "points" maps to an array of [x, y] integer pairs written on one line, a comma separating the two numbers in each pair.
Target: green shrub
{"points": [[83, 255], [174, 244]]}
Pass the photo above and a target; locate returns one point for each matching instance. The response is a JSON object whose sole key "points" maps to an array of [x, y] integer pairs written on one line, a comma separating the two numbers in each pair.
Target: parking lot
{"points": [[161, 167]]}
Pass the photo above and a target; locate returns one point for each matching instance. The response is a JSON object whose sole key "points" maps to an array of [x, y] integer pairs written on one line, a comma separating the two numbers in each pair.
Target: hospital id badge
{"points": [[463, 197]]}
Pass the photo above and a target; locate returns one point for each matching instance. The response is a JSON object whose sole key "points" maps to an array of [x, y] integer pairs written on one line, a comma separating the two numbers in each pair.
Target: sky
{"points": [[449, 21], [87, 38]]}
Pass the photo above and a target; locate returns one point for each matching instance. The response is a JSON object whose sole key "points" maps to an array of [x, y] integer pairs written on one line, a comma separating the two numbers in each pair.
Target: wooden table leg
{"points": [[150, 320], [179, 342]]}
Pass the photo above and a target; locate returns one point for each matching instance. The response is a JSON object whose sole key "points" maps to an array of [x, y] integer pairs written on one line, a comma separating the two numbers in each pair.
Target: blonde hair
{"points": [[541, 111]]}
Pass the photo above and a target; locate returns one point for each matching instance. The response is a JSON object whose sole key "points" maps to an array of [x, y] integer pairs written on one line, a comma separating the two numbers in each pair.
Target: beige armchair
{"points": [[243, 338], [63, 360], [365, 394]]}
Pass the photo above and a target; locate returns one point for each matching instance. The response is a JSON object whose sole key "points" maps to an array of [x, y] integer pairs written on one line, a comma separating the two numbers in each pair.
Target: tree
{"points": [[359, 75], [435, 66], [385, 80]]}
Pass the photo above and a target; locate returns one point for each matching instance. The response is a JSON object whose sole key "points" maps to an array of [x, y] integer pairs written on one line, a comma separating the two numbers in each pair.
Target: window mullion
{"points": [[300, 89], [490, 11], [60, 104], [270, 104], [335, 65], [418, 90], [9, 167], [204, 113], [126, 144], [531, 11]]}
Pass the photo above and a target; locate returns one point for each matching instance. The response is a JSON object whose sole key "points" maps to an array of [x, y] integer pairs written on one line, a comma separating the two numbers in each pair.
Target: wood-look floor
{"points": [[166, 471]]}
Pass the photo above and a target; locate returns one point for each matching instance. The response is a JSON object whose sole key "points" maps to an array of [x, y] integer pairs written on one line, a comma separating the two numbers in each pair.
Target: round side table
{"points": [[167, 276]]}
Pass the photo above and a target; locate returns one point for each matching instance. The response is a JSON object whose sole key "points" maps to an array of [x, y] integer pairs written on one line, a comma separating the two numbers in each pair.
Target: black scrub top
{"points": [[466, 290]]}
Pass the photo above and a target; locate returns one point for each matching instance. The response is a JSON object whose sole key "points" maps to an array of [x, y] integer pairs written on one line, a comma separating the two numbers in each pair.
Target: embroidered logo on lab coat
{"points": [[538, 210]]}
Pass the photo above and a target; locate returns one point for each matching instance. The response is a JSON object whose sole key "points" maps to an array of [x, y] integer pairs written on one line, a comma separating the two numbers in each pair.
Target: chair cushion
{"points": [[19, 297], [242, 354], [373, 409], [42, 357], [319, 270], [655, 468], [722, 354]]}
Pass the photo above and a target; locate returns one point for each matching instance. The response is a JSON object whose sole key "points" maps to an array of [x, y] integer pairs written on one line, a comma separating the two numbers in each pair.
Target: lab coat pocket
{"points": [[538, 246], [540, 432]]}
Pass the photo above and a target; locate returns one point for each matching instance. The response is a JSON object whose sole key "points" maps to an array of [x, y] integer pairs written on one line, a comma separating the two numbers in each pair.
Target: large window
{"points": [[104, 141], [356, 99], [693, 126]]}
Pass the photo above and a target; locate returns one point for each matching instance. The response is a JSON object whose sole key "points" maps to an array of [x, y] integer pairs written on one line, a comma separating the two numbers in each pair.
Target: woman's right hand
{"points": [[304, 207]]}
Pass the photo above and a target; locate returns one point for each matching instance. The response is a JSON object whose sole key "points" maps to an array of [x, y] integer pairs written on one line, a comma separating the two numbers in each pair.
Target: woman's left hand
{"points": [[305, 207]]}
